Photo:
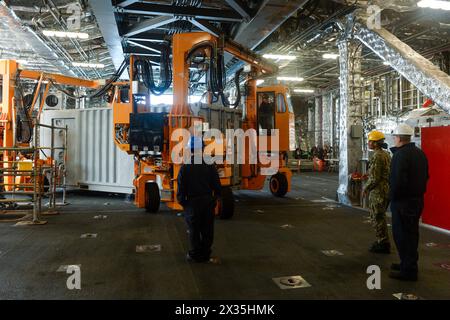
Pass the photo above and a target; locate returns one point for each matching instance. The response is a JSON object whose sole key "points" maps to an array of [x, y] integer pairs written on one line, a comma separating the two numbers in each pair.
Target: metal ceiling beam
{"points": [[269, 18], [126, 3], [207, 27], [149, 37], [396, 5], [149, 24], [164, 10], [104, 14], [142, 52], [240, 8], [148, 46], [145, 40]]}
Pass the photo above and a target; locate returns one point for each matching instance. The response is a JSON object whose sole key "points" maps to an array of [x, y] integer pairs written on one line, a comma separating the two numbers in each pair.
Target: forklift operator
{"points": [[266, 113], [198, 189]]}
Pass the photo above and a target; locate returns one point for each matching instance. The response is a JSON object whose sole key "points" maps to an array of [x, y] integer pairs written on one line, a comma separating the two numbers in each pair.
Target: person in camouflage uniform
{"points": [[377, 187]]}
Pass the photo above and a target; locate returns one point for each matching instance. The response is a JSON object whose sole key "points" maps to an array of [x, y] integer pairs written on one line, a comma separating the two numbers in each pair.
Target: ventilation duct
{"points": [[421, 72]]}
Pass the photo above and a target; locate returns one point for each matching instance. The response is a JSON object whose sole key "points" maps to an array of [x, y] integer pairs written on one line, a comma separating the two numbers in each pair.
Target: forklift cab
{"points": [[275, 111]]}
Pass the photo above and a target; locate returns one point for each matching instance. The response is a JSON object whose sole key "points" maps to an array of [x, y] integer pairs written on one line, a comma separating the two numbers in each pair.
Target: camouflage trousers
{"points": [[378, 205]]}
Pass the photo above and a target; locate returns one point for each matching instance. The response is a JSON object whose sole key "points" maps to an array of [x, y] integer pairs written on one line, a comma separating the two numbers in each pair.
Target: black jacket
{"points": [[409, 172], [197, 180]]}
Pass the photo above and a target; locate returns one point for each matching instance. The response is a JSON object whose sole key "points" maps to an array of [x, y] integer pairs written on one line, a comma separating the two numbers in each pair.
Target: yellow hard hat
{"points": [[376, 135]]}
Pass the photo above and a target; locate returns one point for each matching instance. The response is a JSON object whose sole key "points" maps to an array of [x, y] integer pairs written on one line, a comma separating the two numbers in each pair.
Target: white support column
{"points": [[336, 124], [332, 113], [311, 127], [318, 113], [327, 114], [350, 114]]}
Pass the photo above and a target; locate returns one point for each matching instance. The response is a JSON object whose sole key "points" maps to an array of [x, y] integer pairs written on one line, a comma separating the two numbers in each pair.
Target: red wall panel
{"points": [[436, 145]]}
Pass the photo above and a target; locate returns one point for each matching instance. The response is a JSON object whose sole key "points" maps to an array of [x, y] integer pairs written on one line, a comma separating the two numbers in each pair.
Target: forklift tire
{"points": [[278, 185], [226, 205], [152, 197]]}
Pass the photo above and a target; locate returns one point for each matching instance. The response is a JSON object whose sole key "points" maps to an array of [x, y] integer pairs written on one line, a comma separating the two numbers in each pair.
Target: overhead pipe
{"points": [[14, 26], [331, 22], [57, 16], [56, 46], [69, 59]]}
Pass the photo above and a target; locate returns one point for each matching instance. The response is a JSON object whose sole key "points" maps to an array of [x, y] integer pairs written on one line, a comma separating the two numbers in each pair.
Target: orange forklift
{"points": [[147, 135], [22, 170]]}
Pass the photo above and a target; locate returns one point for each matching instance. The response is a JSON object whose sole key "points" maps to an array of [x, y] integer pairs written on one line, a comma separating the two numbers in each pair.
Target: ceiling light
{"points": [[258, 82], [63, 34], [331, 56], [304, 90], [88, 65], [279, 57], [298, 79], [434, 4]]}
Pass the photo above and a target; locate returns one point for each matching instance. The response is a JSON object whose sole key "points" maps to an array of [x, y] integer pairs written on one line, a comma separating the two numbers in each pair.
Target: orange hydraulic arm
{"points": [[260, 67], [60, 79], [260, 64], [55, 78], [8, 73], [183, 44]]}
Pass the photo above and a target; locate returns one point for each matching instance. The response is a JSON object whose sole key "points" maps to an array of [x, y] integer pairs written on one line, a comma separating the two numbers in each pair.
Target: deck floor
{"points": [[253, 246]]}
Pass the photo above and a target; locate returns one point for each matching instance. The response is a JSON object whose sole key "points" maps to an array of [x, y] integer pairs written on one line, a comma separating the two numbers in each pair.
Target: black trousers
{"points": [[199, 216], [405, 228]]}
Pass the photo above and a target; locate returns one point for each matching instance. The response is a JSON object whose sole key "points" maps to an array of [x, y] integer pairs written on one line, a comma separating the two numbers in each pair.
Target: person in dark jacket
{"points": [[407, 181], [266, 113], [198, 189]]}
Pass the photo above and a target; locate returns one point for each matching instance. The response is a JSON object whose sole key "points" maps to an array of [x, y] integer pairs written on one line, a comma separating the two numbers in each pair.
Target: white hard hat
{"points": [[403, 130]]}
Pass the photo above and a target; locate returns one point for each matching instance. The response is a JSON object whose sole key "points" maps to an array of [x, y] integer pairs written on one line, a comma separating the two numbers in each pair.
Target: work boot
{"points": [[190, 258], [403, 276], [214, 260], [395, 266], [380, 247]]}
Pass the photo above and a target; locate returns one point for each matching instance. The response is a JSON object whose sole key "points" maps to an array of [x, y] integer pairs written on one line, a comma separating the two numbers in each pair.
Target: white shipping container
{"points": [[94, 162]]}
